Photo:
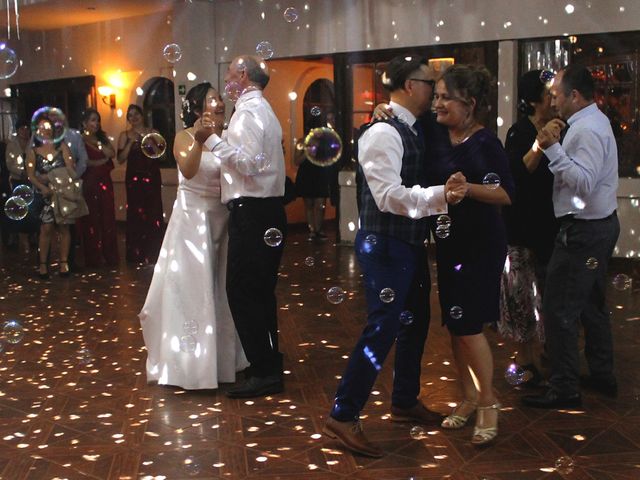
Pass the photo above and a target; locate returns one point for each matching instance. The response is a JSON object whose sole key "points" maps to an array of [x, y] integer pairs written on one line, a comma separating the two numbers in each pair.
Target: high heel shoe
{"points": [[45, 275], [485, 435], [64, 273], [455, 420]]}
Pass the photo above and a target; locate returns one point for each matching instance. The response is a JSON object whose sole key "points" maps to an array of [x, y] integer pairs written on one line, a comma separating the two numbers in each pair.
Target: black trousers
{"points": [[252, 274], [575, 294]]}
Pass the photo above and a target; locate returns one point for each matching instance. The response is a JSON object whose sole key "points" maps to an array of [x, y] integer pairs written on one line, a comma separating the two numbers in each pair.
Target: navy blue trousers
{"points": [[387, 263]]}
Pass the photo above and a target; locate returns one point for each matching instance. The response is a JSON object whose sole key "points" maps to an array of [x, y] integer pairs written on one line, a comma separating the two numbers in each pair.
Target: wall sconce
{"points": [[108, 96]]}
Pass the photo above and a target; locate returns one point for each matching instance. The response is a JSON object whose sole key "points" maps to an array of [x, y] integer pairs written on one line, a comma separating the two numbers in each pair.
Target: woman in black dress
{"points": [[531, 225], [472, 251]]}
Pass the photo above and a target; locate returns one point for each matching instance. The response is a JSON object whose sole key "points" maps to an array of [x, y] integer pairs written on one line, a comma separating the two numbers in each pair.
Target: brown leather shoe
{"points": [[351, 436], [418, 413]]}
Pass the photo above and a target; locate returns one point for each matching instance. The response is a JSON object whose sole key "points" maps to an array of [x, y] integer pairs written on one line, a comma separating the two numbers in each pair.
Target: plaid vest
{"points": [[412, 173]]}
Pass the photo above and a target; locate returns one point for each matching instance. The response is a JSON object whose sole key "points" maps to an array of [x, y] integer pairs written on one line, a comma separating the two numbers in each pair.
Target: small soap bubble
{"points": [[547, 76], [172, 53], [25, 192], [442, 231], [232, 91], [188, 343], [323, 146], [491, 181], [443, 220], [190, 327], [592, 263], [273, 237], [406, 317], [13, 331], [564, 465], [191, 466], [153, 145], [622, 282], [49, 125], [371, 239], [9, 62], [264, 50], [291, 14], [514, 374], [335, 295], [456, 312], [84, 356], [262, 162], [309, 261], [315, 111], [387, 295], [16, 208], [418, 433]]}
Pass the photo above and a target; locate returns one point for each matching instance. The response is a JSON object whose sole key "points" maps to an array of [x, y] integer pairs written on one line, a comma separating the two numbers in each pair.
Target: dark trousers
{"points": [[252, 273], [574, 294], [387, 263]]}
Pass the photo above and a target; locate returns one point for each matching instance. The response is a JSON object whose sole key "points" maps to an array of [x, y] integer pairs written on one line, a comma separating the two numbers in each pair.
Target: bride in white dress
{"points": [[187, 326]]}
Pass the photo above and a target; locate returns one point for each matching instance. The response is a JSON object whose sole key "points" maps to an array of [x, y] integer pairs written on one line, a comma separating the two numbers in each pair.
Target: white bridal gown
{"points": [[186, 322]]}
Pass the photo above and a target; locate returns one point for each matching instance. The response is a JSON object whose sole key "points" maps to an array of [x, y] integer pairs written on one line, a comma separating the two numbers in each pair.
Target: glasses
{"points": [[431, 83]]}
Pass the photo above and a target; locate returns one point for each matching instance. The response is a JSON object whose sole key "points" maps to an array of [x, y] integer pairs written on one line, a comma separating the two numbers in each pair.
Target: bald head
{"points": [[255, 68]]}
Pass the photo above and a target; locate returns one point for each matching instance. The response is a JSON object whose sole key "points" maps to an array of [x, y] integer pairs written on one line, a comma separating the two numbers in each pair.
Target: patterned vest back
{"points": [[412, 173]]}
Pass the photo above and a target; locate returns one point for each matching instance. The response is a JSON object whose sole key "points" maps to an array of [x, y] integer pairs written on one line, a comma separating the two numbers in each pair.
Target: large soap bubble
{"points": [[322, 146]]}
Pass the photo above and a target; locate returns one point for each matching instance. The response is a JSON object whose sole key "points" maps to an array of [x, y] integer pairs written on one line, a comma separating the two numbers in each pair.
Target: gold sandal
{"points": [[456, 421], [484, 435]]}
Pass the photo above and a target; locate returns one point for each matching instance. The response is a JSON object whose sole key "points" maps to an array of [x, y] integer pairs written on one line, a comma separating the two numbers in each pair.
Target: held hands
{"points": [[550, 133], [207, 125], [456, 188]]}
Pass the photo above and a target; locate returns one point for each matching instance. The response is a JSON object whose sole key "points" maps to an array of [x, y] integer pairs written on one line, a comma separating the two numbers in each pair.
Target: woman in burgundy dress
{"points": [[145, 226], [98, 229]]}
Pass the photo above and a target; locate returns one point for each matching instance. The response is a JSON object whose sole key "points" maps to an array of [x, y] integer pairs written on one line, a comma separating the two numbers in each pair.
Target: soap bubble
{"points": [[491, 181], [514, 374], [191, 466], [547, 76], [264, 50], [622, 282], [323, 146], [8, 62], [188, 343], [13, 331], [49, 125], [84, 356], [335, 295], [291, 14], [153, 145], [172, 53], [564, 465], [406, 317], [387, 295], [273, 237], [456, 312], [309, 261], [592, 263], [443, 220], [25, 192], [190, 327], [417, 433], [315, 111], [232, 91], [16, 208], [371, 239], [442, 231]]}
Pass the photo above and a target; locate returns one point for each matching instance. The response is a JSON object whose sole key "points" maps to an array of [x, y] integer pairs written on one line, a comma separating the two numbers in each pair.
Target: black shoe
{"points": [[552, 399], [607, 386], [257, 387]]}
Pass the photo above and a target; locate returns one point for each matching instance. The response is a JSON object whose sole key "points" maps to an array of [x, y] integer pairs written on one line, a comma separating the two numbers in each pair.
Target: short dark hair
{"points": [[256, 70], [193, 103], [399, 70], [470, 81], [578, 77], [530, 90]]}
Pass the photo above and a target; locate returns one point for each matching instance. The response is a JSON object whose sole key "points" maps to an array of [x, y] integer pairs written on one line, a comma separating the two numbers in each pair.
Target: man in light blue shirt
{"points": [[585, 168]]}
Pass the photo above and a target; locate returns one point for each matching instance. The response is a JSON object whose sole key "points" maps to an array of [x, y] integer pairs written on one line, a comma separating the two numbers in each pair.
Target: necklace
{"points": [[464, 137]]}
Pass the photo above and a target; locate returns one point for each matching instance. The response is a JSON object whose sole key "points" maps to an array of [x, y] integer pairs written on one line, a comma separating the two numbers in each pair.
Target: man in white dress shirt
{"points": [[391, 253], [585, 169], [252, 187]]}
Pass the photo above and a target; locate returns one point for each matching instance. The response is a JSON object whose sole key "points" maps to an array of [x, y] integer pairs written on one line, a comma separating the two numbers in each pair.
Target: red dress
{"points": [[98, 229], [145, 226]]}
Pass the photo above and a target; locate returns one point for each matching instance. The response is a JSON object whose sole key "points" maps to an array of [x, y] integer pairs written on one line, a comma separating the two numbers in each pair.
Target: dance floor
{"points": [[75, 404]]}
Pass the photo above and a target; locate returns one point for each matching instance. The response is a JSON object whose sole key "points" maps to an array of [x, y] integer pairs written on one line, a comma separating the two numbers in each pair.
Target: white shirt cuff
{"points": [[212, 142], [554, 152], [436, 202]]}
